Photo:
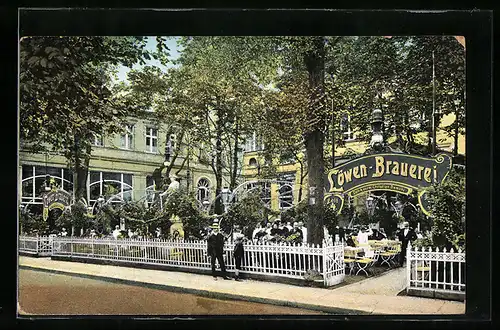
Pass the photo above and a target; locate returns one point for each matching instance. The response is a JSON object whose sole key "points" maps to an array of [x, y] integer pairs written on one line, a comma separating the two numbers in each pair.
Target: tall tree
{"points": [[66, 97]]}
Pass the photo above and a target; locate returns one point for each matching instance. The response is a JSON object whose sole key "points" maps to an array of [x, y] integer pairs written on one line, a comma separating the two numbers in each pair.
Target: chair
{"points": [[350, 259], [388, 256], [364, 263]]}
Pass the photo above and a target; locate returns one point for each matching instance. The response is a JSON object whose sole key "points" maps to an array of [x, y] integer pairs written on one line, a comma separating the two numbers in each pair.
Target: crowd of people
{"points": [[278, 231]]}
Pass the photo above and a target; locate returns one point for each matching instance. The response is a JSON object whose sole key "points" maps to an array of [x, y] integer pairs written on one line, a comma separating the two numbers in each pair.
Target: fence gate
{"points": [[333, 263]]}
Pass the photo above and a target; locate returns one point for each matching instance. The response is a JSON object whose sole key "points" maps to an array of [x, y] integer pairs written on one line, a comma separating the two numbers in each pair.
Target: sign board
{"points": [[401, 173], [55, 199]]}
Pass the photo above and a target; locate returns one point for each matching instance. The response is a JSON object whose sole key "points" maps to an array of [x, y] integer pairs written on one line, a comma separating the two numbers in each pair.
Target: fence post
{"points": [[408, 266], [323, 250], [92, 242]]}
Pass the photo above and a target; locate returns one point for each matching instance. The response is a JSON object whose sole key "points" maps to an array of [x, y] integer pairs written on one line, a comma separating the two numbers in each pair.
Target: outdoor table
{"points": [[390, 253]]}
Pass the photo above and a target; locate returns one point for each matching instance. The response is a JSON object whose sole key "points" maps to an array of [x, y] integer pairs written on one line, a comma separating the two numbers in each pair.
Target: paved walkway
{"points": [[360, 298], [389, 284]]}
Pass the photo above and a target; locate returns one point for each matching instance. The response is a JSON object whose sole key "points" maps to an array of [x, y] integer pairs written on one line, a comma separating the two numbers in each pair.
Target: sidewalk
{"points": [[371, 296]]}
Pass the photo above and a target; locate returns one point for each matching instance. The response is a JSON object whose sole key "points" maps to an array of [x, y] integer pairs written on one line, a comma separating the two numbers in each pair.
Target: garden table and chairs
{"points": [[387, 250]]}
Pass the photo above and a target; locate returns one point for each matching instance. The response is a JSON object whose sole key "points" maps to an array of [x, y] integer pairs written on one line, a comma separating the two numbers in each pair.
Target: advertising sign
{"points": [[401, 173], [55, 199]]}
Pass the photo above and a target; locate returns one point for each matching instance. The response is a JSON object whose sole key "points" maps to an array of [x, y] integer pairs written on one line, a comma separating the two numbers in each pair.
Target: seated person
{"points": [[283, 230], [275, 230], [296, 235], [350, 241]]}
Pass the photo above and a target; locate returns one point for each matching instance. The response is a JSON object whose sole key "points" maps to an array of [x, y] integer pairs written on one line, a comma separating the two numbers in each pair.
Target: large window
{"points": [[265, 193], [33, 181], [110, 184], [127, 138], [345, 127], [203, 193], [285, 196], [254, 143], [151, 139]]}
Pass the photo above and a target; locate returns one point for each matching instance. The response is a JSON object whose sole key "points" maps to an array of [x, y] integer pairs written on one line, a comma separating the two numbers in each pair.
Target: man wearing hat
{"points": [[406, 235], [215, 249]]}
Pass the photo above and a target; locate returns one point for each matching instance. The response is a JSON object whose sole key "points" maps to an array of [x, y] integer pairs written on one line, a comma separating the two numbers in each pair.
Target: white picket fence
{"points": [[439, 271], [35, 245], [280, 260]]}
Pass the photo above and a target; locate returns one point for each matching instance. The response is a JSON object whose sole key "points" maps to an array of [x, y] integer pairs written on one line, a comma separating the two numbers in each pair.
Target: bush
{"points": [[447, 206], [185, 207], [246, 213], [32, 224], [424, 242]]}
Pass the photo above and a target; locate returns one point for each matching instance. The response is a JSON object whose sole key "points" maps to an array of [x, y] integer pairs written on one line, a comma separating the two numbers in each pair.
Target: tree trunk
{"points": [[218, 162], [81, 169], [234, 172], [314, 142], [315, 163], [455, 134]]}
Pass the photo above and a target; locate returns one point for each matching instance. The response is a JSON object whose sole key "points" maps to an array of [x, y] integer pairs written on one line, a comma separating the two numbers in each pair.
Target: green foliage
{"points": [[331, 219], [66, 96], [424, 242], [297, 213], [246, 213], [32, 224], [185, 207], [76, 216], [447, 205]]}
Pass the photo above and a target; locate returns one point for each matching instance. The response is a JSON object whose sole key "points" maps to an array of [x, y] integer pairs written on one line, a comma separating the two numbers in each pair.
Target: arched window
{"points": [[110, 184], [203, 193], [33, 182], [252, 162]]}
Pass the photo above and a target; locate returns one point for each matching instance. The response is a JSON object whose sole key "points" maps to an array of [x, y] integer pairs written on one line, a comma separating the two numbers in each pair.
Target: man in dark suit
{"points": [[406, 235], [215, 249]]}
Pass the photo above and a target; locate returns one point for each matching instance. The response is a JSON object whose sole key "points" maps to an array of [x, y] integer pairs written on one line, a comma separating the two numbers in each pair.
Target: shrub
{"points": [[32, 224], [246, 213], [447, 205]]}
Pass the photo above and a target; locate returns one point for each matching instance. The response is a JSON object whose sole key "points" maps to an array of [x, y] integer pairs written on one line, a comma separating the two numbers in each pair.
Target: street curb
{"points": [[205, 293]]}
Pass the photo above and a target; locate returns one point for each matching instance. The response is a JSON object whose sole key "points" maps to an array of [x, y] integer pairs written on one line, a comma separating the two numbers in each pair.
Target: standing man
{"points": [[215, 249], [238, 251], [406, 235]]}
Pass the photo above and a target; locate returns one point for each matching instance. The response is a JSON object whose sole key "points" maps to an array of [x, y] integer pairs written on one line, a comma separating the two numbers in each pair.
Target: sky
{"points": [[151, 46]]}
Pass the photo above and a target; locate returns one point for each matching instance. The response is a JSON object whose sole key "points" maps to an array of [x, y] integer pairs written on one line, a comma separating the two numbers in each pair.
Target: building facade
{"points": [[121, 165]]}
